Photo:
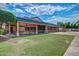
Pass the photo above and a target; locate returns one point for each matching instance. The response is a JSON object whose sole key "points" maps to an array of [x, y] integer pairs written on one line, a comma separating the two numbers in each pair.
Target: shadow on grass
{"points": [[5, 38], [27, 35]]}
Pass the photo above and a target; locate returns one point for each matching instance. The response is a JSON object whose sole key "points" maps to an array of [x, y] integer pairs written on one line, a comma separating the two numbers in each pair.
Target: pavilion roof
{"points": [[27, 20]]}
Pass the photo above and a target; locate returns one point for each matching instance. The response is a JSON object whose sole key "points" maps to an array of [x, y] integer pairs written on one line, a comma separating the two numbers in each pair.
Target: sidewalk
{"points": [[73, 49]]}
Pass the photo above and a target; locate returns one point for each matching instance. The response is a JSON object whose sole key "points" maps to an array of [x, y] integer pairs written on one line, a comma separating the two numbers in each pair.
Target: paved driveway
{"points": [[73, 49], [67, 33]]}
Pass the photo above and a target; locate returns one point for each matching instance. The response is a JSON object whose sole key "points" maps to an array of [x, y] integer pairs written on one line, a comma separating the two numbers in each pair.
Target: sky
{"points": [[47, 12]]}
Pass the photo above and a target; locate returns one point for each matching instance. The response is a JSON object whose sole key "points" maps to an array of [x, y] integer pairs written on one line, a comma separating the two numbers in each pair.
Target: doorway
{"points": [[11, 30]]}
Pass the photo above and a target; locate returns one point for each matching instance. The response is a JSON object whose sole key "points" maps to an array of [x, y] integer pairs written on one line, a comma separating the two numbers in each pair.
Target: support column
{"points": [[46, 29], [9, 28], [36, 29], [17, 33], [4, 25]]}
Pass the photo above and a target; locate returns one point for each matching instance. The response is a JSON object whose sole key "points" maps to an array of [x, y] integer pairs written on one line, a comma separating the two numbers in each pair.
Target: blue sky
{"points": [[48, 12]]}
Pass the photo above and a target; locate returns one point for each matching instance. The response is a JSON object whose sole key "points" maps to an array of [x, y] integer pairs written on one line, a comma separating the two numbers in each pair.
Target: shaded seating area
{"points": [[29, 26]]}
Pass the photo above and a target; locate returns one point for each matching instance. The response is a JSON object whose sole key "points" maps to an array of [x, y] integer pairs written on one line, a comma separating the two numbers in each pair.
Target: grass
{"points": [[36, 45]]}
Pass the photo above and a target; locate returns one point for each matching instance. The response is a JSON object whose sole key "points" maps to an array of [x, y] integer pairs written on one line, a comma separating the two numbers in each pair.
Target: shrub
{"points": [[3, 31], [13, 36]]}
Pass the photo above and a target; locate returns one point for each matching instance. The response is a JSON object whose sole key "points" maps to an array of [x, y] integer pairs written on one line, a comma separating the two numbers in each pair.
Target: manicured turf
{"points": [[38, 45]]}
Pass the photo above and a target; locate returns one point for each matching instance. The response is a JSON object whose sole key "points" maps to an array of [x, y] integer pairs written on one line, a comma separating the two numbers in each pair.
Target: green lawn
{"points": [[36, 45]]}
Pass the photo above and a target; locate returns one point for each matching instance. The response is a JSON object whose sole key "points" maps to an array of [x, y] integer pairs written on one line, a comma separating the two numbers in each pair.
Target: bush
{"points": [[3, 31], [13, 36]]}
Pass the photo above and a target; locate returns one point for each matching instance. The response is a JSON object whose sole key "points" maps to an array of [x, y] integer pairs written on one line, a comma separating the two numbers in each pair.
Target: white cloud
{"points": [[56, 19], [46, 9], [19, 10], [2, 5], [71, 7], [21, 4], [59, 8], [41, 10], [75, 16]]}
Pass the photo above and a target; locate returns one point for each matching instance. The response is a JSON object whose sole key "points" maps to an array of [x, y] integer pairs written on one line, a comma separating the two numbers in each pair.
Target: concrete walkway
{"points": [[66, 33], [73, 49]]}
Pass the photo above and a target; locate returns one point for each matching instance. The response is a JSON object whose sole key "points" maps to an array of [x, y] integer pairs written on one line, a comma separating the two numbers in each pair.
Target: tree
{"points": [[68, 25], [6, 17], [65, 25], [78, 25], [61, 24]]}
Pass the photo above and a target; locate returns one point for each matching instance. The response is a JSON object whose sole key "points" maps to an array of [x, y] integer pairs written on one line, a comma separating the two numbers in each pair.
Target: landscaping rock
{"points": [[3, 37]]}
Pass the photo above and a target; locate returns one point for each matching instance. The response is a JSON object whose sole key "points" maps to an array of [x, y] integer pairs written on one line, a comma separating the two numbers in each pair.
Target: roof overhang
{"points": [[35, 22]]}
